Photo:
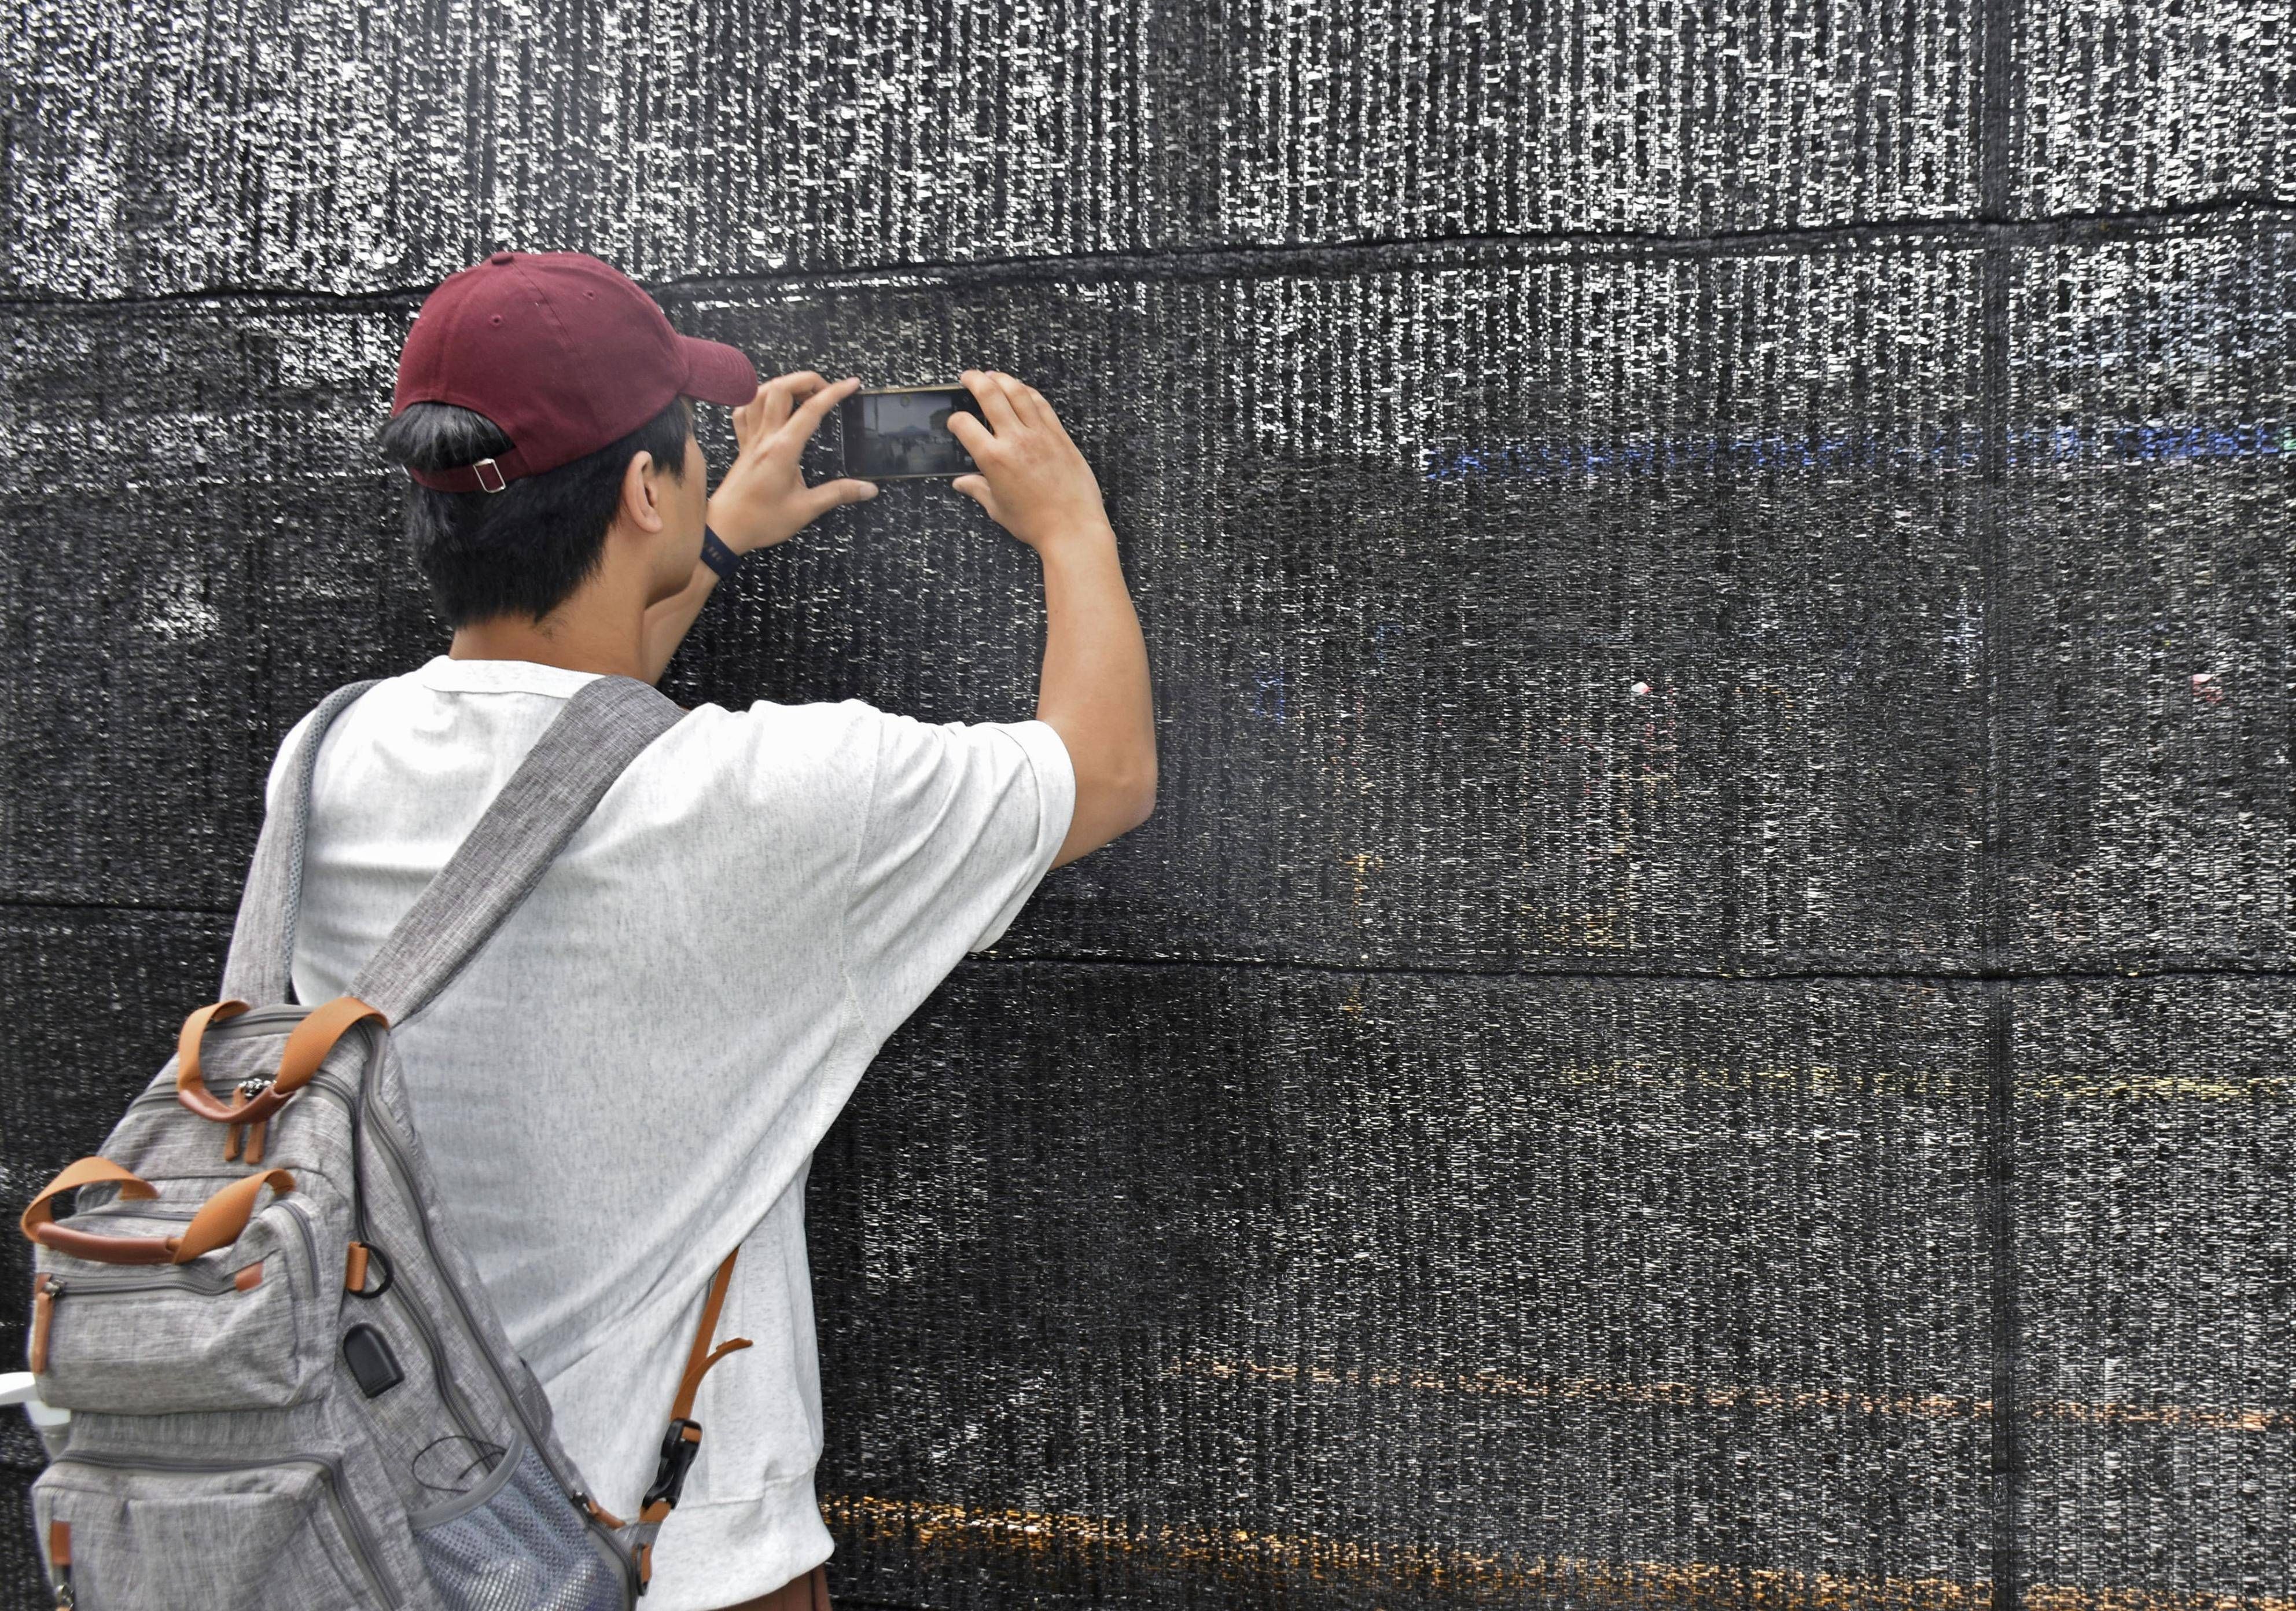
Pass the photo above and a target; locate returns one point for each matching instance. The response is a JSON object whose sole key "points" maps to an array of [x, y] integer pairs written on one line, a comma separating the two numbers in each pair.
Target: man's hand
{"points": [[762, 499], [1033, 481]]}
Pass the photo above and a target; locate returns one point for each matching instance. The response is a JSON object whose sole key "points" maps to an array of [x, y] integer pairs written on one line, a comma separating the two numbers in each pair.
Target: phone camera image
{"points": [[903, 432]]}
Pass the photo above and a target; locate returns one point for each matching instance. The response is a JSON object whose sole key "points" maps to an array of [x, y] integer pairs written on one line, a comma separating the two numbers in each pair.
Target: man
{"points": [[642, 1059]]}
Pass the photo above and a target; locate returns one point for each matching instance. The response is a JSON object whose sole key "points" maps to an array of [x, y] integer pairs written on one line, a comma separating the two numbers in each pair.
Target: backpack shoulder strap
{"points": [[606, 723], [263, 936]]}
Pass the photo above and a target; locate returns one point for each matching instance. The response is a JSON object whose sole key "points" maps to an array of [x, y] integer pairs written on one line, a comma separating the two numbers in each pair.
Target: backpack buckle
{"points": [[679, 1445]]}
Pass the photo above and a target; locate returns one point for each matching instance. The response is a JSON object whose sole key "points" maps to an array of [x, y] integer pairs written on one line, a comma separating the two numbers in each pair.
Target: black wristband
{"points": [[716, 555]]}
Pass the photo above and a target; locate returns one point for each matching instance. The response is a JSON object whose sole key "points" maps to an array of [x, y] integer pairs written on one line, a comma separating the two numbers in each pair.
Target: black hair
{"points": [[528, 548]]}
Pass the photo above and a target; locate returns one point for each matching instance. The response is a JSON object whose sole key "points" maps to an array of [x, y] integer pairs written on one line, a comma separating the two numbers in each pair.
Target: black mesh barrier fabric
{"points": [[1403, 1327], [1702, 1020]]}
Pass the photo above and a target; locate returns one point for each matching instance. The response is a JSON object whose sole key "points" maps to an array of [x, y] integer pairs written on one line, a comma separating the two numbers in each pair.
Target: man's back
{"points": [[645, 1056]]}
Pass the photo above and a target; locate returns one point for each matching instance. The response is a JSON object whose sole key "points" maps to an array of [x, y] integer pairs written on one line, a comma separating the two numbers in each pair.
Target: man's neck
{"points": [[612, 642]]}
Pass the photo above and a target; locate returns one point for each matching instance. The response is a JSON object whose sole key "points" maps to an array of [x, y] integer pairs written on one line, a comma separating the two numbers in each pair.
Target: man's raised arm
{"points": [[1094, 689]]}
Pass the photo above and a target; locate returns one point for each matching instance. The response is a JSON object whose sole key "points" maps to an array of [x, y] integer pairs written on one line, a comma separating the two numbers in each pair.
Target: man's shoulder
{"points": [[848, 735], [831, 728], [819, 747]]}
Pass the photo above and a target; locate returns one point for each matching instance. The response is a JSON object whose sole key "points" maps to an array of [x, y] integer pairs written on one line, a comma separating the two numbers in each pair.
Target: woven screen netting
{"points": [[1704, 1018]]}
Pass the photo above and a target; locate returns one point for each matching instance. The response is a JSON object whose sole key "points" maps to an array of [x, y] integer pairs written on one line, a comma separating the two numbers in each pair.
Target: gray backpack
{"points": [[288, 1390]]}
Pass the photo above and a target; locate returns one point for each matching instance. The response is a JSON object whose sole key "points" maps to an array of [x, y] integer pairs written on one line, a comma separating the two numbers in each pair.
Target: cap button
{"points": [[502, 257]]}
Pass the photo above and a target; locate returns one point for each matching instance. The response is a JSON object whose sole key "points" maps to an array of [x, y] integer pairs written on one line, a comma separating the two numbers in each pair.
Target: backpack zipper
{"points": [[195, 1276], [457, 1407], [302, 1218], [447, 1391], [167, 1094], [206, 1284], [362, 1542], [50, 1289], [572, 1491]]}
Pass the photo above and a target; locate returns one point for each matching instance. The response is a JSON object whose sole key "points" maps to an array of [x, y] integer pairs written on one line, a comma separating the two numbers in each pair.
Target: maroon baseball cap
{"points": [[564, 352]]}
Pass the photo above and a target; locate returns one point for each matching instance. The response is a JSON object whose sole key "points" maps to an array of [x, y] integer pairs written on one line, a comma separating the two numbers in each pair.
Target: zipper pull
{"points": [[60, 1557], [44, 1313], [246, 1092], [251, 1088]]}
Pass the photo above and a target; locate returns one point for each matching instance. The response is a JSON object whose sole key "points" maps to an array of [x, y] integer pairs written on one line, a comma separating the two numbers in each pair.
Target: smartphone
{"points": [[903, 432]]}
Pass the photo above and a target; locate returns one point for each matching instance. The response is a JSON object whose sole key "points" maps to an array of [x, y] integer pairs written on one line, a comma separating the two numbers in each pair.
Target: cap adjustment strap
{"points": [[488, 475]]}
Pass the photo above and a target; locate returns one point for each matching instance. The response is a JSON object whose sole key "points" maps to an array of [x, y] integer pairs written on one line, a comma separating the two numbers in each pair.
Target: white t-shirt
{"points": [[630, 1077]]}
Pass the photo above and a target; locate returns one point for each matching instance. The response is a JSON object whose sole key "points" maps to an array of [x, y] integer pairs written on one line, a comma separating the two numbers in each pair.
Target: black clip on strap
{"points": [[677, 1452]]}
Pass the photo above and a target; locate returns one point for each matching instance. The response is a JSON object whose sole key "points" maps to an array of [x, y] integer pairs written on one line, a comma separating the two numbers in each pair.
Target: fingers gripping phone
{"points": [[902, 432]]}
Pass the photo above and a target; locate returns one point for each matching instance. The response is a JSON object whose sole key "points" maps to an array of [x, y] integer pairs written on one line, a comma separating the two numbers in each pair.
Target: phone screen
{"points": [[903, 433]]}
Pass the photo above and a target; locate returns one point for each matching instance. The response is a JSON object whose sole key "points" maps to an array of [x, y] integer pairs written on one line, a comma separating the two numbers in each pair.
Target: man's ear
{"points": [[640, 501]]}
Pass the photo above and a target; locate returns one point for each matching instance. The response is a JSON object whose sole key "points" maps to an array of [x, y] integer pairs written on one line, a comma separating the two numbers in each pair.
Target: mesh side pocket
{"points": [[524, 1548]]}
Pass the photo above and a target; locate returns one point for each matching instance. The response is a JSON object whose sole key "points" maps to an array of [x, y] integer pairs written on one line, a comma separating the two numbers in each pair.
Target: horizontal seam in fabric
{"points": [[545, 692], [433, 687], [2205, 217], [773, 1484]]}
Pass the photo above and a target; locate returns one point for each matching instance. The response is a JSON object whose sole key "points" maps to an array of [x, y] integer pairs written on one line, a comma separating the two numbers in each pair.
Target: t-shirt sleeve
{"points": [[275, 780], [963, 820]]}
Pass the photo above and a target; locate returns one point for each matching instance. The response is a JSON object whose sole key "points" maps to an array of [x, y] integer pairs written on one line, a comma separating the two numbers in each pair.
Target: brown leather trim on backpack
{"points": [[308, 1046], [39, 1219], [59, 1561], [43, 1314], [222, 1217], [241, 1133], [191, 1090], [218, 1222], [309, 1042], [683, 1429], [698, 1359]]}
